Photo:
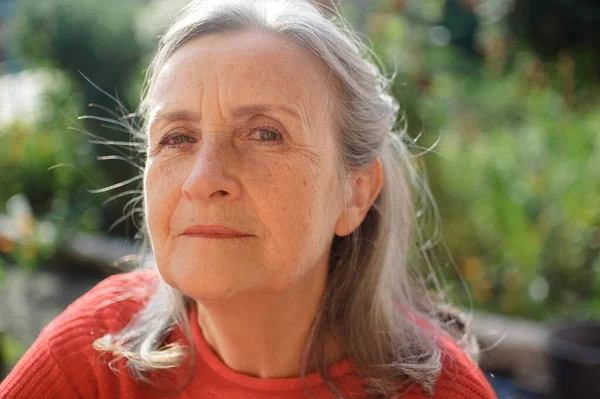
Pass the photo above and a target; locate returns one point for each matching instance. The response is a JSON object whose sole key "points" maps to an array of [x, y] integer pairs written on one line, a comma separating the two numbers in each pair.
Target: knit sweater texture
{"points": [[62, 363]]}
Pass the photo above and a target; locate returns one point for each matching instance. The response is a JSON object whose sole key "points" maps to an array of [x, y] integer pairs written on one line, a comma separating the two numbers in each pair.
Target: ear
{"points": [[365, 185]]}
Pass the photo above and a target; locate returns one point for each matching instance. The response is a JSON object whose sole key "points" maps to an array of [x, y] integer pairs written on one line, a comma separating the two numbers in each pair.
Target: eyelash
{"points": [[163, 141], [272, 129], [175, 134]]}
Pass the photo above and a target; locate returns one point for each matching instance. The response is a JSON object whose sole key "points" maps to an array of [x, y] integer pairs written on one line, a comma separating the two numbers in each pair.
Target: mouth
{"points": [[212, 231], [215, 235]]}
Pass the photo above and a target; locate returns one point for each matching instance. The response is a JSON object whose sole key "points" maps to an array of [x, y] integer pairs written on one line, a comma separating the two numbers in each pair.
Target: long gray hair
{"points": [[376, 275]]}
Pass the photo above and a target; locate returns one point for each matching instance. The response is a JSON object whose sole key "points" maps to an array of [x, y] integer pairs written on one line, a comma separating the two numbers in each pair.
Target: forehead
{"points": [[241, 69]]}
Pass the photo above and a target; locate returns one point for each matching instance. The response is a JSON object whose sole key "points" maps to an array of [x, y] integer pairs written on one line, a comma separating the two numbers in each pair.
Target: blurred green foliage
{"points": [[516, 171], [552, 26], [46, 171], [15, 349], [97, 40], [95, 37], [519, 193]]}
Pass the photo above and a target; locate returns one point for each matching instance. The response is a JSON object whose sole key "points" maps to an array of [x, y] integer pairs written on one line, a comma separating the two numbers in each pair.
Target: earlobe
{"points": [[366, 186], [346, 224]]}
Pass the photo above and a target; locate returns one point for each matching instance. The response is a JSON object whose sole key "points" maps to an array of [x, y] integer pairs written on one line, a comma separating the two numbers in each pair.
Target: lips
{"points": [[212, 231]]}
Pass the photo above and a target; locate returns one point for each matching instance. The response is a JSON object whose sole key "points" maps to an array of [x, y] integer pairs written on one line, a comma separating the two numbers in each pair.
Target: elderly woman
{"points": [[278, 206]]}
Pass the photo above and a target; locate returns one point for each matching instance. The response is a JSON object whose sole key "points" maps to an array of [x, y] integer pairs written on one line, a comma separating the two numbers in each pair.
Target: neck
{"points": [[263, 334]]}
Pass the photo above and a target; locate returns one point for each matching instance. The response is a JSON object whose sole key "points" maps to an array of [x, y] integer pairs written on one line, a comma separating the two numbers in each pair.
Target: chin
{"points": [[203, 282]]}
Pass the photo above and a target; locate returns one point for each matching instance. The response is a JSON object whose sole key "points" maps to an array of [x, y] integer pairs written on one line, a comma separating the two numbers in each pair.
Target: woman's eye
{"points": [[267, 135], [175, 140], [262, 135]]}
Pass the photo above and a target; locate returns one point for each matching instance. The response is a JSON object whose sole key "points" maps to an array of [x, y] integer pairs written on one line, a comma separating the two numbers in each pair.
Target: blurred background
{"points": [[501, 97]]}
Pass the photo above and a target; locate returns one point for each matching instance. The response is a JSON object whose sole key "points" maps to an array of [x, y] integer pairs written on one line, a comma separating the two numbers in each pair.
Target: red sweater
{"points": [[62, 363]]}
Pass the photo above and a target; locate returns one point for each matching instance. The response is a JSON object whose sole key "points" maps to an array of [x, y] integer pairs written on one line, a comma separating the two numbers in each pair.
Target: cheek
{"points": [[161, 191], [289, 190], [296, 205]]}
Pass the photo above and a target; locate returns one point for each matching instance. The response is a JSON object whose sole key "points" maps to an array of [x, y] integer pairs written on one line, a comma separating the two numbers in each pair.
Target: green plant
{"points": [[47, 171], [100, 50], [513, 160], [519, 195], [97, 38]]}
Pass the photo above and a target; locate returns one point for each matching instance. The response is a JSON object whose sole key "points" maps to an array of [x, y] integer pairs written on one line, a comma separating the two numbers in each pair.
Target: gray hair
{"points": [[374, 278]]}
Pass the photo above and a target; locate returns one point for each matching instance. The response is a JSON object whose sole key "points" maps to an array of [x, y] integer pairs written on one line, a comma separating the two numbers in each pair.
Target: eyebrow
{"points": [[261, 108], [237, 112], [174, 116]]}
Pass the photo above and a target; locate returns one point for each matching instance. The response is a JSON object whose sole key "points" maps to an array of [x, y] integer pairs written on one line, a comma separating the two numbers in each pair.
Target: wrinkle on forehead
{"points": [[264, 66]]}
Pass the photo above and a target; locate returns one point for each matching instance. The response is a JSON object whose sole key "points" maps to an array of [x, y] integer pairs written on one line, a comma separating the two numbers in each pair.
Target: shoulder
{"points": [[460, 376], [106, 308], [62, 359]]}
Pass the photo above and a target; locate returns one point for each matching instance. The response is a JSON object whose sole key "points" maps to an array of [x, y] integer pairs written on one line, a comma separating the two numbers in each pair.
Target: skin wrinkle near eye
{"points": [[251, 110], [250, 126]]}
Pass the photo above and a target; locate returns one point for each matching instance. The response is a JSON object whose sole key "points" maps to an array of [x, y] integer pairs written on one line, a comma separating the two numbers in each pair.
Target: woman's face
{"points": [[241, 135]]}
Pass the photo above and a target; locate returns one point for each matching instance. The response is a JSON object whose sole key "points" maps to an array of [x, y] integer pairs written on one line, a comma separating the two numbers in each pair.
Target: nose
{"points": [[210, 180]]}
